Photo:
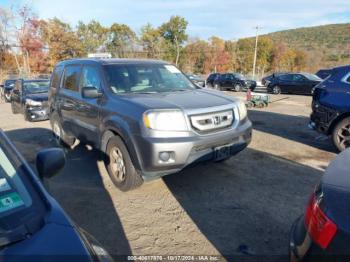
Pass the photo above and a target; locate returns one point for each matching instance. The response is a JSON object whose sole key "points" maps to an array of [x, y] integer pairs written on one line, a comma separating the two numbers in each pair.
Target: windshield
{"points": [[312, 77], [19, 202], [146, 78], [35, 87]]}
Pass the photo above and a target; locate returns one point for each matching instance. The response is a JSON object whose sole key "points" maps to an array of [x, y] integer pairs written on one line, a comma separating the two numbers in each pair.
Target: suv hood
{"points": [[192, 99]]}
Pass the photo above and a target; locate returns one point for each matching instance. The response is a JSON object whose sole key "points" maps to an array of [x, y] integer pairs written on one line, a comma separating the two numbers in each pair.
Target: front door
{"points": [[88, 108]]}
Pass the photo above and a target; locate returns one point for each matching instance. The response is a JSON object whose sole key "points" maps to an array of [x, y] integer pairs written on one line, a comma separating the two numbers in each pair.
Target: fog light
{"points": [[164, 156]]}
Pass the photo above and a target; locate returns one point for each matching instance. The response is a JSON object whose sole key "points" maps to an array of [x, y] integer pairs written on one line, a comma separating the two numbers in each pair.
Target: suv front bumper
{"points": [[184, 151]]}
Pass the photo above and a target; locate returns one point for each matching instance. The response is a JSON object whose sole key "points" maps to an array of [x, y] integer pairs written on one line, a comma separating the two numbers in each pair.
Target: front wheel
{"points": [[341, 134], [7, 98], [120, 167], [276, 90]]}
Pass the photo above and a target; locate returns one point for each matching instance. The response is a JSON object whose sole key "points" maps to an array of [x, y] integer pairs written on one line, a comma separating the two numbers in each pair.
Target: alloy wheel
{"points": [[117, 164], [237, 88], [343, 136], [276, 90]]}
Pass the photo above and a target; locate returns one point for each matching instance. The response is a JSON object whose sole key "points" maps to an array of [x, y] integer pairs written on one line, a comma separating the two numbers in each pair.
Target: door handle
{"points": [[348, 93]]}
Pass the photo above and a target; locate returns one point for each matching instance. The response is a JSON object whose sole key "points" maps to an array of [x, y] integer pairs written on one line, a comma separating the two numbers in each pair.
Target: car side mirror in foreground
{"points": [[91, 92], [49, 162]]}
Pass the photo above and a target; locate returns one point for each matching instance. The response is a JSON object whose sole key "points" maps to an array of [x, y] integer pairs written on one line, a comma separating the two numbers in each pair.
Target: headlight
{"points": [[165, 120], [242, 110], [31, 102]]}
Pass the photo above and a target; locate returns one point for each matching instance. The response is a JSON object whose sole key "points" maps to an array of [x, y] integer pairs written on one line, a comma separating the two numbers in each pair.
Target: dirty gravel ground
{"points": [[248, 202]]}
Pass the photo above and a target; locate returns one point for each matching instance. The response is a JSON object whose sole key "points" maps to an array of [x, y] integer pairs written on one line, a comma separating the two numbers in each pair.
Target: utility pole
{"points": [[256, 49]]}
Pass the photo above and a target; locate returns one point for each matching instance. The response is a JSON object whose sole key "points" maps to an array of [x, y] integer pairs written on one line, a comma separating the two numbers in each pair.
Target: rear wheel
{"points": [[341, 134], [237, 87], [217, 86], [276, 90], [120, 167], [59, 135]]}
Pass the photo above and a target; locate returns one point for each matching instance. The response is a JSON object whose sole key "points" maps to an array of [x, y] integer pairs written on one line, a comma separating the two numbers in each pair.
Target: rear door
{"points": [[224, 80], [69, 97], [302, 85], [285, 82]]}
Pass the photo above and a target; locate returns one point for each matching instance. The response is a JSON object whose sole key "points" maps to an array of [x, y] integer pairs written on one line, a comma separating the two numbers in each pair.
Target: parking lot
{"points": [[243, 206]]}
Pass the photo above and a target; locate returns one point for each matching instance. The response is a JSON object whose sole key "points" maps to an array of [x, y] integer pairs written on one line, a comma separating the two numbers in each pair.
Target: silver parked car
{"points": [[147, 118]]}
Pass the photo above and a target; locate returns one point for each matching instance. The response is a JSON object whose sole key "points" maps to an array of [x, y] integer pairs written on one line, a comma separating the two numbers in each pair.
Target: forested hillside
{"points": [[326, 45]]}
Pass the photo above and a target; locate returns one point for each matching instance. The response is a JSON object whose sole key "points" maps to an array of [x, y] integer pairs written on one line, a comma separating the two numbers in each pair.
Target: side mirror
{"points": [[49, 162], [91, 92]]}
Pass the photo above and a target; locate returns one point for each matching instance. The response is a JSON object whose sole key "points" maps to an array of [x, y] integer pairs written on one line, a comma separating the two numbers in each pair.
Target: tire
{"points": [[7, 98], [260, 104], [341, 134], [276, 90], [250, 104], [237, 88], [120, 167], [13, 109], [61, 138], [217, 87]]}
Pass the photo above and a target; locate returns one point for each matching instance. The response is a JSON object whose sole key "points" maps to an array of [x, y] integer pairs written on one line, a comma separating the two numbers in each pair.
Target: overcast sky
{"points": [[229, 19]]}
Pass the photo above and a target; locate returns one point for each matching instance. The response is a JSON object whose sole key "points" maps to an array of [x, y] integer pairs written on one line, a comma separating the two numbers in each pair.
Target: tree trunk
{"points": [[177, 51]]}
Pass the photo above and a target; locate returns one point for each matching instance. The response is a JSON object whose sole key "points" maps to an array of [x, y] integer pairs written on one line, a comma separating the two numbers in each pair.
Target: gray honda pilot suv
{"points": [[147, 117]]}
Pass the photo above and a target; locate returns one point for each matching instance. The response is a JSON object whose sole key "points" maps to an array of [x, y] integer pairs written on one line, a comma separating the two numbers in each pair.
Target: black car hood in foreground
{"points": [[336, 190], [38, 97], [191, 99]]}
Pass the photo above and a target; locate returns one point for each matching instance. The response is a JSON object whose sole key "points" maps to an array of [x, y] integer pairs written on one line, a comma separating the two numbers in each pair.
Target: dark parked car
{"points": [[8, 86], [324, 73], [33, 225], [267, 79], [196, 80], [323, 232], [147, 118], [331, 107], [30, 97], [212, 78], [299, 83], [234, 81]]}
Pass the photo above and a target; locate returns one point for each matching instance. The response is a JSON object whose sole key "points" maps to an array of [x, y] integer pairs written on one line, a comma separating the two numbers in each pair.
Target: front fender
{"points": [[118, 126]]}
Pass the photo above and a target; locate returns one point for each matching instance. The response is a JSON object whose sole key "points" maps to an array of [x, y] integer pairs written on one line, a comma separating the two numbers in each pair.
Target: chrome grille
{"points": [[212, 121]]}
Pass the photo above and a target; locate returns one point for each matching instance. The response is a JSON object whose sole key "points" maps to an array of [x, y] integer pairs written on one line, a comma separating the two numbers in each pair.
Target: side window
{"points": [[56, 77], [298, 78], [286, 77], [90, 77], [71, 78]]}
